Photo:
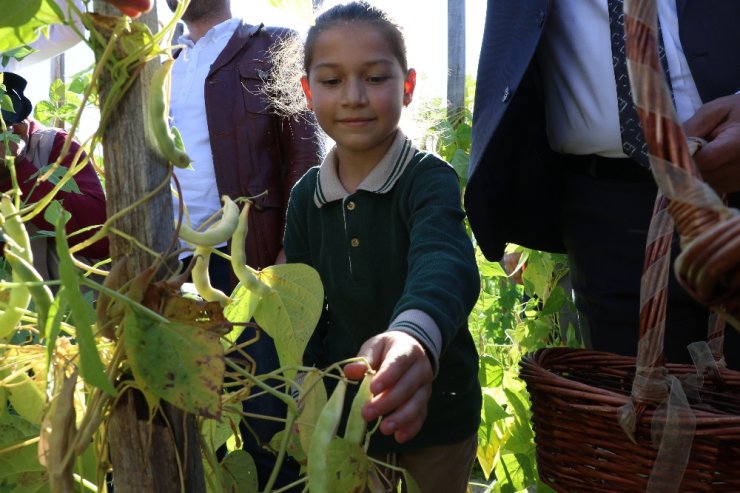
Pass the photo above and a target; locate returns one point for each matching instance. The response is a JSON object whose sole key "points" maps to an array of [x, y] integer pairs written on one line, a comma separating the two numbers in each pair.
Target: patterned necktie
{"points": [[633, 142]]}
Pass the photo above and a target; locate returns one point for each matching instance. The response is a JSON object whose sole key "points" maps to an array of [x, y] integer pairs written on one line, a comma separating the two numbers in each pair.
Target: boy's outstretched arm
{"points": [[402, 385]]}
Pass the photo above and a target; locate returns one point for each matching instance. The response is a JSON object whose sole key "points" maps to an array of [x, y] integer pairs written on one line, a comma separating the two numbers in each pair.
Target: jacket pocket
{"points": [[253, 76]]}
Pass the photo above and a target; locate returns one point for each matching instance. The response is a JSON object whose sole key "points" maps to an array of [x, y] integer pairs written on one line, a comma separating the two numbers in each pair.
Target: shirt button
{"points": [[350, 206], [354, 242]]}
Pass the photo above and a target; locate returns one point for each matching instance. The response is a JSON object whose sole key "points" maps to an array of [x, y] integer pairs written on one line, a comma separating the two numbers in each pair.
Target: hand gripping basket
{"points": [[610, 423]]}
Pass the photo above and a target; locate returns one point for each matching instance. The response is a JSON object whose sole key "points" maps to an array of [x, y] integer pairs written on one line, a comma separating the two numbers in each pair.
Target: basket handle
{"points": [[709, 265], [708, 269]]}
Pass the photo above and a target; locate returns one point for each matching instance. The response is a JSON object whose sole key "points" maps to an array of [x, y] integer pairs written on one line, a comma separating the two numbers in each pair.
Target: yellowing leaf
{"points": [[240, 310], [179, 363], [27, 397], [289, 313], [25, 393]]}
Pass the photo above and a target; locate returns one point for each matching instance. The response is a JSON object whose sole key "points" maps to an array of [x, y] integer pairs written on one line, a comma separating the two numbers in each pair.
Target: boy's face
{"points": [[357, 88]]}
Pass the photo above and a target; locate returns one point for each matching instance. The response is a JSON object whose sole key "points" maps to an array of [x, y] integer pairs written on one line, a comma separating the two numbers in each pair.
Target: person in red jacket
{"points": [[38, 148]]}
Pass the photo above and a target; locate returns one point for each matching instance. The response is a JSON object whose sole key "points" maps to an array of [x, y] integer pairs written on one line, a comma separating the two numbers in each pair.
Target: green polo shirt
{"points": [[394, 255]]}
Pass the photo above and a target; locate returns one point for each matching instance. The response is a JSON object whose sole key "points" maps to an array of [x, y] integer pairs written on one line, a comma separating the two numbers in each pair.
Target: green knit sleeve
{"points": [[443, 279]]}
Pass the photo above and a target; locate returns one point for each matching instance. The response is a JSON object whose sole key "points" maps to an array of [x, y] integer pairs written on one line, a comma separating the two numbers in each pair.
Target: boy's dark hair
{"points": [[357, 12]]}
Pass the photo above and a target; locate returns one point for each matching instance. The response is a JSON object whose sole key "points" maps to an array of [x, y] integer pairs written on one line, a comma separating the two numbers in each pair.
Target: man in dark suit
{"points": [[549, 169]]}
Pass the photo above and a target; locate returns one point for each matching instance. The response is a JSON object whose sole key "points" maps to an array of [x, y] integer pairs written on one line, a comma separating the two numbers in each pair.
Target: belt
{"points": [[608, 169]]}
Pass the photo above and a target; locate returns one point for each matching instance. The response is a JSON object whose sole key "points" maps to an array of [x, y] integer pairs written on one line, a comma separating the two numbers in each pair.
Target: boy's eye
{"points": [[376, 79], [330, 82]]}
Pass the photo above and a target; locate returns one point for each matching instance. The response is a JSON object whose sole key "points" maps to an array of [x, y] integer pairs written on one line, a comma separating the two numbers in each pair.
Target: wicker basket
{"points": [[576, 396], [583, 401]]}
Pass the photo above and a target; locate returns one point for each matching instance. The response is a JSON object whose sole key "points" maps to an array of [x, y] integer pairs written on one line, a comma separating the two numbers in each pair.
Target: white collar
{"points": [[381, 179], [214, 34]]}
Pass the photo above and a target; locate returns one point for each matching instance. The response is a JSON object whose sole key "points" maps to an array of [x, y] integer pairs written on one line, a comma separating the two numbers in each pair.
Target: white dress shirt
{"points": [[188, 111], [580, 90]]}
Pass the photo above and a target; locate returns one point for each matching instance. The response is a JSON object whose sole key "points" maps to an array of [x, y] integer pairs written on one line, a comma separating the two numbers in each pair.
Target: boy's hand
{"points": [[402, 385]]}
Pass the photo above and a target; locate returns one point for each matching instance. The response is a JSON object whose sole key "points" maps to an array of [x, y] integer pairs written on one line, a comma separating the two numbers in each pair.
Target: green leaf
{"points": [[239, 473], [347, 465], [290, 312], [3, 401], [512, 471], [179, 363], [463, 134], [410, 483], [490, 372], [216, 433], [26, 395], [18, 54], [54, 213], [22, 22], [240, 310], [80, 83], [14, 430], [6, 103], [460, 161], [293, 448], [492, 410], [56, 176], [45, 112], [56, 91], [91, 367], [491, 269], [555, 301]]}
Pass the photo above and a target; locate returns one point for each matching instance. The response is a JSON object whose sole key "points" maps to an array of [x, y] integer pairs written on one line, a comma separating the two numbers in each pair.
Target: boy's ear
{"points": [[307, 92], [408, 87]]}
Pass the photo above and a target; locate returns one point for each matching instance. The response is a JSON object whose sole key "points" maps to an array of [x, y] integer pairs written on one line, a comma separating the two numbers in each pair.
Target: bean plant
{"points": [[508, 321], [69, 346]]}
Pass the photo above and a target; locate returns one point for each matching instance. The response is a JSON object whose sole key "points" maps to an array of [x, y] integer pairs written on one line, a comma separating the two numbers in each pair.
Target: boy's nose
{"points": [[354, 93]]}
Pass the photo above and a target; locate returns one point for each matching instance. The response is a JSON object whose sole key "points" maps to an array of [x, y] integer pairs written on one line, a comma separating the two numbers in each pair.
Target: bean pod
{"points": [[356, 425], [326, 429], [165, 140], [20, 296], [218, 233]]}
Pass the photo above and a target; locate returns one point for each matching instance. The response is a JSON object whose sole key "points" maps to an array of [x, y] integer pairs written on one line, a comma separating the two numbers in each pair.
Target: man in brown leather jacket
{"points": [[242, 148]]}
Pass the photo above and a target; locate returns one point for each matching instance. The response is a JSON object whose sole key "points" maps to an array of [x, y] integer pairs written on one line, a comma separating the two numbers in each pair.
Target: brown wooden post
{"points": [[56, 71], [455, 60], [161, 454]]}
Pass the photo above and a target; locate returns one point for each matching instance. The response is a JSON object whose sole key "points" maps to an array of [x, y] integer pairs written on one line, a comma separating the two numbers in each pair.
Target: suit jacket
{"points": [[513, 191], [255, 149]]}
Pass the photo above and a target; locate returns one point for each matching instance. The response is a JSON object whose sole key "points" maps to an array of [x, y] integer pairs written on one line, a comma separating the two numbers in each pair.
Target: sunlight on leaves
{"points": [[289, 313], [21, 22]]}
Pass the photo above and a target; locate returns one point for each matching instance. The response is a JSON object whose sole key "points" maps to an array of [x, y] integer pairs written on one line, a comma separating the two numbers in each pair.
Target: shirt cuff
{"points": [[424, 329]]}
